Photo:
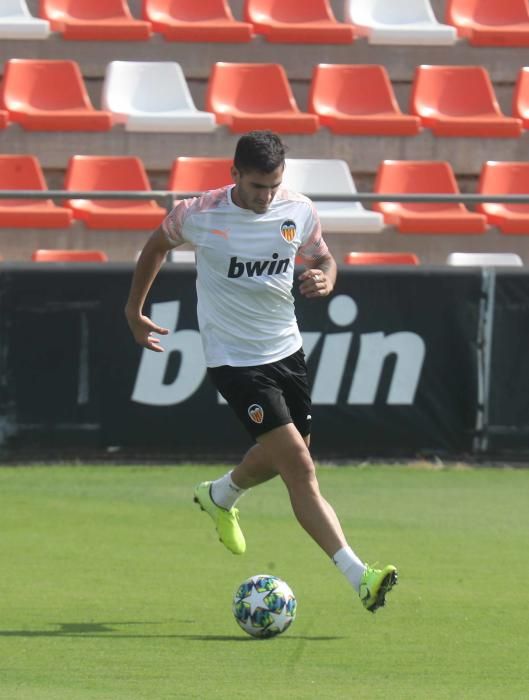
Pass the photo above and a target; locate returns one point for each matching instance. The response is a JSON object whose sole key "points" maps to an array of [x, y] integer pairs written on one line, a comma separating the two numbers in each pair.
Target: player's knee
{"points": [[299, 470]]}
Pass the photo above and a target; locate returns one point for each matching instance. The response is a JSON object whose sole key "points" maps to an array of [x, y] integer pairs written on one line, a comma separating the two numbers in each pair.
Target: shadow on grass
{"points": [[103, 630]]}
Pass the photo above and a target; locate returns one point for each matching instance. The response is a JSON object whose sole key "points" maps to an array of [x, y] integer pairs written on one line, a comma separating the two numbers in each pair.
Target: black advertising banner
{"points": [[394, 364], [391, 357], [508, 415]]}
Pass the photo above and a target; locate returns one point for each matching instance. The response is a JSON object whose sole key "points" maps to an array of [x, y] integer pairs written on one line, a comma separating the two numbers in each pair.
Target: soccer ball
{"points": [[264, 606]]}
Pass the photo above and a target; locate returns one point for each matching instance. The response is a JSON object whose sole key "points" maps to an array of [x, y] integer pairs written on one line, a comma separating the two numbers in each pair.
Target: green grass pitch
{"points": [[113, 586]]}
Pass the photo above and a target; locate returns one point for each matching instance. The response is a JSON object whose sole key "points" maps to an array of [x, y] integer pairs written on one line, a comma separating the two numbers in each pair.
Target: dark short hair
{"points": [[259, 150]]}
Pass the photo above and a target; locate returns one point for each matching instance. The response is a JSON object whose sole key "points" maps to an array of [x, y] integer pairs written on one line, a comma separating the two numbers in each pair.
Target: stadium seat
{"points": [[50, 95], [152, 96], [4, 119], [390, 22], [67, 255], [498, 178], [117, 173], [24, 173], [195, 174], [17, 22], [189, 20], [485, 259], [460, 101], [247, 96], [329, 177], [181, 256], [424, 177], [358, 99], [294, 22], [520, 103], [95, 20], [490, 22], [378, 258]]}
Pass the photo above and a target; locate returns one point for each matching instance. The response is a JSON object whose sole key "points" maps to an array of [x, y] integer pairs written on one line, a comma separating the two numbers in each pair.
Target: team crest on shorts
{"points": [[256, 413], [288, 230]]}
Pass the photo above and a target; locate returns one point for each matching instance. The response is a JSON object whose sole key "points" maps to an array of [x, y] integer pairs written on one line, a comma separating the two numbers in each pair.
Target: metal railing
{"points": [[167, 198]]}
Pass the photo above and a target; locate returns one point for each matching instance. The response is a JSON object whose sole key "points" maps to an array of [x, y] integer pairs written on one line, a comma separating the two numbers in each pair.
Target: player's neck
{"points": [[236, 199]]}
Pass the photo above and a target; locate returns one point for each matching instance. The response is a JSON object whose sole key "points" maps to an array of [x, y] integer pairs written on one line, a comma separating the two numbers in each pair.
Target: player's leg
{"points": [[242, 387], [254, 469], [218, 498], [285, 448], [251, 471], [330, 510]]}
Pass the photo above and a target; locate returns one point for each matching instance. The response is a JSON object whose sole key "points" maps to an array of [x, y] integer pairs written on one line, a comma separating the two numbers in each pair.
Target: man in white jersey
{"points": [[246, 238]]}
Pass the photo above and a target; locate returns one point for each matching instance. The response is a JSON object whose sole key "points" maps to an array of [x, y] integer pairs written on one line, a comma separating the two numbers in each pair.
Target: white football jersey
{"points": [[245, 272]]}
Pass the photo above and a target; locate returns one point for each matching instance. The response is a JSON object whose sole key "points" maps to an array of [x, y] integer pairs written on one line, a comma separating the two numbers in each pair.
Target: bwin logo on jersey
{"points": [[256, 413], [256, 268], [288, 230]]}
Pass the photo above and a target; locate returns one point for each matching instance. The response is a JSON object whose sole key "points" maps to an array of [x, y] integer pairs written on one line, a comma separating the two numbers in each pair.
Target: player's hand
{"points": [[143, 328], [314, 283]]}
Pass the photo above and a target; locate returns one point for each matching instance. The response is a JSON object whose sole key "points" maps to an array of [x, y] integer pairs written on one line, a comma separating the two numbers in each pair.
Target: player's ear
{"points": [[236, 174]]}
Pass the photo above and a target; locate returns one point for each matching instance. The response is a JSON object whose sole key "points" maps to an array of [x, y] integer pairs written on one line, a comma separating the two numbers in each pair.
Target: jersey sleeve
{"points": [[173, 224], [178, 225], [312, 245]]}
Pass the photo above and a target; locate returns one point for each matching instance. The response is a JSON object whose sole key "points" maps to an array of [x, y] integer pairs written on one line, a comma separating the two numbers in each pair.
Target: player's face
{"points": [[255, 190]]}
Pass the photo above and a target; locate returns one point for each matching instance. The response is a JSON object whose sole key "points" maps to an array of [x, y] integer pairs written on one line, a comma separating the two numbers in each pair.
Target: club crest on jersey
{"points": [[288, 230], [256, 413]]}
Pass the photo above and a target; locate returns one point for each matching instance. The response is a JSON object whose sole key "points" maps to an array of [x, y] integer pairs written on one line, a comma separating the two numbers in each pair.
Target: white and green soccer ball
{"points": [[264, 606]]}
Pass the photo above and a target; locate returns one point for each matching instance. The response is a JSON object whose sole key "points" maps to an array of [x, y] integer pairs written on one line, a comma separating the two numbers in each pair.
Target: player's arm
{"points": [[320, 278], [147, 267]]}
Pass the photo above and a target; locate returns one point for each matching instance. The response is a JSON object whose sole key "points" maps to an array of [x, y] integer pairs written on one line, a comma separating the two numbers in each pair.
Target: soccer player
{"points": [[246, 238]]}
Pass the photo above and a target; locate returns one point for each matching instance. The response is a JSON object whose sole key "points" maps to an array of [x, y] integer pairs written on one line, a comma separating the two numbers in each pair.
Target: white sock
{"points": [[350, 566], [224, 492]]}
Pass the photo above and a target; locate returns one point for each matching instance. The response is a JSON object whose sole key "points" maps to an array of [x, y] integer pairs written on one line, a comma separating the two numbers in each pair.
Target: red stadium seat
{"points": [[358, 99], [490, 22], [291, 21], [189, 20], [95, 20], [50, 96], [117, 173], [62, 255], [460, 101], [499, 178], [424, 177], [520, 105], [4, 119], [378, 258], [247, 96], [24, 173], [199, 174]]}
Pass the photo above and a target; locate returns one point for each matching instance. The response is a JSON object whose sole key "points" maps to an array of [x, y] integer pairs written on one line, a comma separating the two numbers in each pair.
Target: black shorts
{"points": [[265, 397]]}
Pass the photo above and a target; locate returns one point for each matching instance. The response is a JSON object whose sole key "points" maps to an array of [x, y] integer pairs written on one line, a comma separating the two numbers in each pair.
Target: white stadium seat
{"points": [[181, 256], [485, 259], [152, 96], [325, 177], [16, 22], [389, 22]]}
